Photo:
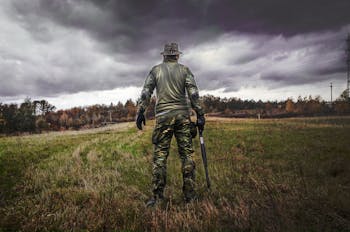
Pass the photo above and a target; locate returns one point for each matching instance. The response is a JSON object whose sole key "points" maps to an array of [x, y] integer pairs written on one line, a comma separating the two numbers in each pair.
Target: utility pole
{"points": [[348, 65], [331, 93], [110, 115]]}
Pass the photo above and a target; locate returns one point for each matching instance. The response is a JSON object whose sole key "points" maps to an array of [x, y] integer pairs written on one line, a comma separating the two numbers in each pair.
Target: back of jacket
{"points": [[173, 83]]}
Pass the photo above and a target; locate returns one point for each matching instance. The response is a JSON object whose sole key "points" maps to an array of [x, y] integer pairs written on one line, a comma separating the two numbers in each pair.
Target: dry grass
{"points": [[267, 175]]}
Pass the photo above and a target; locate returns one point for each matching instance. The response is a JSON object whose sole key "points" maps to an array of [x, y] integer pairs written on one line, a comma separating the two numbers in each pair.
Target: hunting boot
{"points": [[190, 197], [154, 199]]}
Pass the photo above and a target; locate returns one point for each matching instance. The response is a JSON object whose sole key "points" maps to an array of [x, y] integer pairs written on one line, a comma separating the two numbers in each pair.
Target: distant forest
{"points": [[38, 116]]}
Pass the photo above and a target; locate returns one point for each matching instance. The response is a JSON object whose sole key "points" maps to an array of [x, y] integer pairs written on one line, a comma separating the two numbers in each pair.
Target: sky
{"points": [[84, 52]]}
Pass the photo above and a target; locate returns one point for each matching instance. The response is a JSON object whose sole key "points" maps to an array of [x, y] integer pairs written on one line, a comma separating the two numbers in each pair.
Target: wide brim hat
{"points": [[171, 49]]}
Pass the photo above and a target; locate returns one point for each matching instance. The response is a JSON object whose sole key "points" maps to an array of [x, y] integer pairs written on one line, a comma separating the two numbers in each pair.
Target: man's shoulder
{"points": [[182, 65], [156, 68], [185, 68]]}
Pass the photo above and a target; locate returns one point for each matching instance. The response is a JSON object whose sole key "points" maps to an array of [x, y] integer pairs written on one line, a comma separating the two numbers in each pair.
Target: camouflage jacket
{"points": [[174, 84]]}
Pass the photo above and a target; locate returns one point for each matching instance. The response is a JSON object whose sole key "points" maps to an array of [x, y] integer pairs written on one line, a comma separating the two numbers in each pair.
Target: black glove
{"points": [[200, 122], [140, 118]]}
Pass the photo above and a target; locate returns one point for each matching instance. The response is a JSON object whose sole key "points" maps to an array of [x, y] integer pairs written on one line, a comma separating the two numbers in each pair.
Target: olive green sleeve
{"points": [[146, 92], [192, 92]]}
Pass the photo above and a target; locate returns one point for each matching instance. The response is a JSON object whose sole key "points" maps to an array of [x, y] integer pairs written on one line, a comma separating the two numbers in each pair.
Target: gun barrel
{"points": [[204, 157]]}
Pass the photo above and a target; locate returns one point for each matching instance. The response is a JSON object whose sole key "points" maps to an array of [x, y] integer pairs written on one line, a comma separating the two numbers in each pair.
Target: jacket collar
{"points": [[166, 60]]}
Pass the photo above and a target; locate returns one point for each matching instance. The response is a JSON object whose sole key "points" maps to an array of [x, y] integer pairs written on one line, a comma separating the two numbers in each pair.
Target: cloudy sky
{"points": [[82, 52]]}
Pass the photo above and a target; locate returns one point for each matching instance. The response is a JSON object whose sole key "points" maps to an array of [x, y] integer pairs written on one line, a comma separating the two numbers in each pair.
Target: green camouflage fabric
{"points": [[174, 84], [166, 126], [175, 89]]}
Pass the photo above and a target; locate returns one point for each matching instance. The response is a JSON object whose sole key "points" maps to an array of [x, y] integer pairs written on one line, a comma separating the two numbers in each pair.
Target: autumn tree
{"points": [[289, 106], [63, 120], [130, 108], [43, 107], [41, 124]]}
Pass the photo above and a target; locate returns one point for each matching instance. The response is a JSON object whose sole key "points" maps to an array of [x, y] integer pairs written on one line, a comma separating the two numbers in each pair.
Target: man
{"points": [[174, 84]]}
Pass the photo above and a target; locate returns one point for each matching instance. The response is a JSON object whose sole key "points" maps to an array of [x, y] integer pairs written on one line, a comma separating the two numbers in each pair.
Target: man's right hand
{"points": [[200, 122], [140, 119]]}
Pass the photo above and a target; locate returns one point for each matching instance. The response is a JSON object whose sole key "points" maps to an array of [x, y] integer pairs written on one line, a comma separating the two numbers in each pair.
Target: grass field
{"points": [[267, 175]]}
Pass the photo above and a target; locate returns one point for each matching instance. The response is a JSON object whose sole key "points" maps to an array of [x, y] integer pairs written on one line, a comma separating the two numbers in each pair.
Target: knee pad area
{"points": [[188, 167]]}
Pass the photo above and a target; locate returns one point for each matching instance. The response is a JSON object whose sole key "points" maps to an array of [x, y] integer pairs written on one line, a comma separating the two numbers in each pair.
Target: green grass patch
{"points": [[267, 175]]}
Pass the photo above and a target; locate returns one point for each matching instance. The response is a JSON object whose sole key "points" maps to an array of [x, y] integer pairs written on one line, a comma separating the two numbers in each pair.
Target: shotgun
{"points": [[204, 156]]}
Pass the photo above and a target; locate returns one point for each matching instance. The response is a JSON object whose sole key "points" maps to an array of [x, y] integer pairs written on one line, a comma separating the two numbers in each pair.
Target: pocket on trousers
{"points": [[193, 129], [155, 136]]}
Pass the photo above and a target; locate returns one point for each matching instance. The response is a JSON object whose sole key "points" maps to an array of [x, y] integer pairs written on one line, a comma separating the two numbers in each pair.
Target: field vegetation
{"points": [[267, 175]]}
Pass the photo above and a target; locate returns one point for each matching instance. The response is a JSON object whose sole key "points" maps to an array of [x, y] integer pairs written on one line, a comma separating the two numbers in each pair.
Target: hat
{"points": [[171, 49]]}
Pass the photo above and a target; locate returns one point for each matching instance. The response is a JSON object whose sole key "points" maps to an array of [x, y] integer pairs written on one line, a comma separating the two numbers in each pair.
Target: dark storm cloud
{"points": [[65, 46], [129, 24], [242, 60]]}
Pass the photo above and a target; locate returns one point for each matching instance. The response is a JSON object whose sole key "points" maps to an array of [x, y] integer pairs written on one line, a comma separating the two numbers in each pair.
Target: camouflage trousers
{"points": [[166, 126]]}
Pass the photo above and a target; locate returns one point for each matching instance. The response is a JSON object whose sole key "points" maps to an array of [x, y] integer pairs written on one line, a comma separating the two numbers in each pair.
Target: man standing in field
{"points": [[174, 84]]}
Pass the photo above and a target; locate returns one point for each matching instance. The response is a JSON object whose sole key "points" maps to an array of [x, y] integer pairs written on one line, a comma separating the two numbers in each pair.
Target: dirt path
{"points": [[112, 127]]}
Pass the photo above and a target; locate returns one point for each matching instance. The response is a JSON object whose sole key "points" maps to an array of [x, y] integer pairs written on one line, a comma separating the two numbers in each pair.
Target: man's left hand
{"points": [[200, 122], [139, 120]]}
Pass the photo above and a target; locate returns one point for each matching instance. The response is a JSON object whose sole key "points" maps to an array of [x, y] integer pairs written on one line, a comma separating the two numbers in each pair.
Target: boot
{"points": [[190, 196], [153, 200], [189, 200]]}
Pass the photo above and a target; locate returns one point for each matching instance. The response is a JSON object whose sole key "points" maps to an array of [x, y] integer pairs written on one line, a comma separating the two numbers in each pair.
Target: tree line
{"points": [[306, 106], [37, 116]]}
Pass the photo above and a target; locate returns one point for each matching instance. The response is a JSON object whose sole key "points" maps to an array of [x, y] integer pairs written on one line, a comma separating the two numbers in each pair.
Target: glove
{"points": [[140, 118], [200, 122]]}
